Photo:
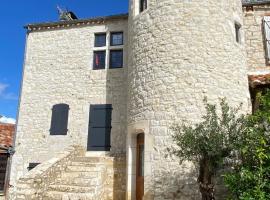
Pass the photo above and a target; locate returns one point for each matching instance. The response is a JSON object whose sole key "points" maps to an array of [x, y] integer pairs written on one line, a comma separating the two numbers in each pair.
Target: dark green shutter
{"points": [[99, 136], [59, 121]]}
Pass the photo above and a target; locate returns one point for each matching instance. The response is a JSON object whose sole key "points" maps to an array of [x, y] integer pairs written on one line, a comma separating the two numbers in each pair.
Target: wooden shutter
{"points": [[99, 136], [59, 121], [3, 168], [266, 22]]}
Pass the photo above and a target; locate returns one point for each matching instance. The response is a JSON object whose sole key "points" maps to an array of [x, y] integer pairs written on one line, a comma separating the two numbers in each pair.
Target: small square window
{"points": [[99, 60], [100, 40], [116, 59], [237, 32], [143, 5], [116, 39]]}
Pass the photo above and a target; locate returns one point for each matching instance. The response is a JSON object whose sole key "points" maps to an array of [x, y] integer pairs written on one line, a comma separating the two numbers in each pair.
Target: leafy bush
{"points": [[209, 142], [250, 178]]}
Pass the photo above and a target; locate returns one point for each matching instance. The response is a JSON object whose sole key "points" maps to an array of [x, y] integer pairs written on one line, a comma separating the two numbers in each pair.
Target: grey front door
{"points": [[99, 130]]}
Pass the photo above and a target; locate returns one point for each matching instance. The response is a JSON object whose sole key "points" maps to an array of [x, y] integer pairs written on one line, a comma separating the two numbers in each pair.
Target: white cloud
{"points": [[3, 87], [6, 95], [7, 120]]}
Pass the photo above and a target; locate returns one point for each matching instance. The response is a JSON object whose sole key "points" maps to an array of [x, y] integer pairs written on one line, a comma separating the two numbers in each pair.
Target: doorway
{"points": [[3, 168], [99, 130], [140, 167]]}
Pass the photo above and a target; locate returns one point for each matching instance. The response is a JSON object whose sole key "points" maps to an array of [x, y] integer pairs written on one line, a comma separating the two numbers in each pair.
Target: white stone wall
{"points": [[179, 52], [58, 69], [255, 39]]}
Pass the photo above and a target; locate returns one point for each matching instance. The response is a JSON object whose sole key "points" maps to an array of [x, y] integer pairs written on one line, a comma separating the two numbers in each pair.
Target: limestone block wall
{"points": [[115, 178], [58, 69], [254, 37], [35, 184], [179, 52]]}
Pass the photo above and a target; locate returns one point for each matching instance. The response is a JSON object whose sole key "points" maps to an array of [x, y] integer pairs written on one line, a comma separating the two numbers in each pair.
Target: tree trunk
{"points": [[205, 179]]}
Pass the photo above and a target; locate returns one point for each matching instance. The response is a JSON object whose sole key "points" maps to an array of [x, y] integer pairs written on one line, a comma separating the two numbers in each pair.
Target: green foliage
{"points": [[215, 136], [250, 178], [209, 142], [226, 134]]}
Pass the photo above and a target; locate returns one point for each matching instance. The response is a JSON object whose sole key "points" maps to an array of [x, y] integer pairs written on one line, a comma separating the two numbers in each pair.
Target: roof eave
{"points": [[256, 3], [64, 24]]}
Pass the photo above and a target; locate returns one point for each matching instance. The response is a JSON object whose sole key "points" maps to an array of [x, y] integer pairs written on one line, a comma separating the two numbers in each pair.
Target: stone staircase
{"points": [[86, 178], [72, 175]]}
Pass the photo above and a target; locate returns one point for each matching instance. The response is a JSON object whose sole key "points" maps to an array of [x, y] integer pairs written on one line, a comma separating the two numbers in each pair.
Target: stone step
{"points": [[71, 189], [83, 169], [84, 182], [90, 164], [93, 159], [88, 159], [53, 195], [86, 175]]}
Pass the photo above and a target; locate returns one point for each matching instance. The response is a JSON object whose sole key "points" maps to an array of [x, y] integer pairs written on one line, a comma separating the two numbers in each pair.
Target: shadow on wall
{"points": [[177, 184], [181, 184], [119, 179], [116, 95]]}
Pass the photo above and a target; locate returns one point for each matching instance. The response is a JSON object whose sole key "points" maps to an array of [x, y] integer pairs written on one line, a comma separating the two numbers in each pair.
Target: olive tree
{"points": [[209, 142]]}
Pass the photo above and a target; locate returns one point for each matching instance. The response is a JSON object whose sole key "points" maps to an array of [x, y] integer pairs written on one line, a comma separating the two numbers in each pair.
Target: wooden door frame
{"points": [[133, 130]]}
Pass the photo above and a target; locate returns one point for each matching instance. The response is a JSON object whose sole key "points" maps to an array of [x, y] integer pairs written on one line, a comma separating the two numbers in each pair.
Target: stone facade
{"points": [[58, 69], [177, 56], [69, 174], [174, 56], [35, 184], [255, 39]]}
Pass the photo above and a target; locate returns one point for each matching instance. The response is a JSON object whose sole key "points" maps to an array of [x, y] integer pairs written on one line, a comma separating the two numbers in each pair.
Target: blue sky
{"points": [[14, 15]]}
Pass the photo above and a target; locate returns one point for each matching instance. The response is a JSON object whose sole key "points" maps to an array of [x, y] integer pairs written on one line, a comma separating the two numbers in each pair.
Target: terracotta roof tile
{"points": [[6, 135], [262, 79]]}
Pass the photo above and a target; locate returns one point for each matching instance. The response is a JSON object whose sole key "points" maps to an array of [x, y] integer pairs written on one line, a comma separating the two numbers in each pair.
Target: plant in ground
{"points": [[209, 142], [250, 177]]}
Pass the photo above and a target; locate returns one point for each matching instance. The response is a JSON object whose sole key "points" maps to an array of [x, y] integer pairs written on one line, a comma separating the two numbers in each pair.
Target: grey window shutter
{"points": [[266, 22], [59, 121], [99, 136]]}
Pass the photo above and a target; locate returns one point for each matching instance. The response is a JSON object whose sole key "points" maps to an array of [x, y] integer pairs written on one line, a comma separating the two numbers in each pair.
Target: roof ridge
{"points": [[77, 22]]}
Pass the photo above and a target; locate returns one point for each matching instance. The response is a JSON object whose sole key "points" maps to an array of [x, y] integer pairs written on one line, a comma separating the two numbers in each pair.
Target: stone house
{"points": [[99, 95], [6, 143]]}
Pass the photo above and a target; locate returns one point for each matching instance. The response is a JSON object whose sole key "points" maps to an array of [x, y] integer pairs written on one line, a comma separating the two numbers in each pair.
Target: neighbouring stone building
{"points": [[6, 150], [99, 95]]}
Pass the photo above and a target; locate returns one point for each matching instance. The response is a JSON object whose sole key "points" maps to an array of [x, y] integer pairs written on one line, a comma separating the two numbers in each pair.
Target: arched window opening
{"points": [[143, 5]]}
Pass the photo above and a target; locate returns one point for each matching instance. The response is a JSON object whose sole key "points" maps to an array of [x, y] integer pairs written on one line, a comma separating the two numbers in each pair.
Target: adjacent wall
{"points": [[58, 69], [255, 40], [177, 56]]}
